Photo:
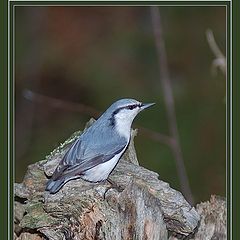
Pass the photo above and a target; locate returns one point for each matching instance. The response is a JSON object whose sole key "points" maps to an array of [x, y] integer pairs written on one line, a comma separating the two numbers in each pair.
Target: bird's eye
{"points": [[131, 107]]}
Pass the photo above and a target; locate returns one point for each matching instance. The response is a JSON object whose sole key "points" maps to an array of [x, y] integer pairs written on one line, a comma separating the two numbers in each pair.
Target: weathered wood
{"points": [[141, 207], [213, 223]]}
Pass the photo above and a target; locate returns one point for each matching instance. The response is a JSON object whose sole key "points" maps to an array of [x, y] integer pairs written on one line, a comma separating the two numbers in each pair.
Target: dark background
{"points": [[96, 55]]}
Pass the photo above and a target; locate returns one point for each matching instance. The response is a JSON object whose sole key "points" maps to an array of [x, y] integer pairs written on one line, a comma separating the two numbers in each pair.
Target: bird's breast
{"points": [[102, 171]]}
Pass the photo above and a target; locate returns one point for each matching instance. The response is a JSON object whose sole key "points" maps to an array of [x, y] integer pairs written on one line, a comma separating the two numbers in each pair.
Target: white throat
{"points": [[123, 124]]}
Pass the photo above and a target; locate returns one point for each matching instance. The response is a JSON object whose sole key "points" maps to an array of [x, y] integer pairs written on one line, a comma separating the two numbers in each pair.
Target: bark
{"points": [[141, 207]]}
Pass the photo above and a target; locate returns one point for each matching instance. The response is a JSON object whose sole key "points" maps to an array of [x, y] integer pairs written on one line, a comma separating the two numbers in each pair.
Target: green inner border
{"points": [[228, 120], [4, 94], [11, 117], [3, 120], [146, 3], [236, 119]]}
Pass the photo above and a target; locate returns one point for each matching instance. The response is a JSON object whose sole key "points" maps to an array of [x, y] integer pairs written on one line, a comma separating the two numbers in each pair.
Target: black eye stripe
{"points": [[131, 107]]}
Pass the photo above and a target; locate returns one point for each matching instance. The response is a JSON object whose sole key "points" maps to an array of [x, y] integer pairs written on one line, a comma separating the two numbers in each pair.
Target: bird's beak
{"points": [[146, 105]]}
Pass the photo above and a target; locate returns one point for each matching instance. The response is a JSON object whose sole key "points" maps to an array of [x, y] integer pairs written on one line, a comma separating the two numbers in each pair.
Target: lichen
{"points": [[36, 217], [63, 145], [70, 140]]}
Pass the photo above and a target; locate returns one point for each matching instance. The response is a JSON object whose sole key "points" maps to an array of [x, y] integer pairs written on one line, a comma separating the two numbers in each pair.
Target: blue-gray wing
{"points": [[84, 155]]}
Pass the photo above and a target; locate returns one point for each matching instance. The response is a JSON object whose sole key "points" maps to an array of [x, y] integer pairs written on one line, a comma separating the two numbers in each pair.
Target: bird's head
{"points": [[122, 112], [127, 109]]}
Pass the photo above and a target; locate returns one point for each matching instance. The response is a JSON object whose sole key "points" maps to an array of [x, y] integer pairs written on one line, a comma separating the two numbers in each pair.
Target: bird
{"points": [[96, 152]]}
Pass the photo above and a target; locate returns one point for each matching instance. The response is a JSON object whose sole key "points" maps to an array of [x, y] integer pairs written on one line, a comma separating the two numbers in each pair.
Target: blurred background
{"points": [[72, 62]]}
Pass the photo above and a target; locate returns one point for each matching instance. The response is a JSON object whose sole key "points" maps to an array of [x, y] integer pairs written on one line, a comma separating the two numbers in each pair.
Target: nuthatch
{"points": [[96, 152]]}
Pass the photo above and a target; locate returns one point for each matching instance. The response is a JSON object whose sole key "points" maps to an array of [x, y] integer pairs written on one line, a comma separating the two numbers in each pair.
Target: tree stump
{"points": [[142, 207]]}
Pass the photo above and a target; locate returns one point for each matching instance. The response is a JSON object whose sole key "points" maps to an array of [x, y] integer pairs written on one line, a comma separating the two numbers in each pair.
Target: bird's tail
{"points": [[54, 186]]}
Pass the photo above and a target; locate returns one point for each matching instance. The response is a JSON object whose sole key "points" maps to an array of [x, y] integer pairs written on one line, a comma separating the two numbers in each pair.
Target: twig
{"points": [[82, 108], [58, 103], [169, 101], [220, 60], [155, 135]]}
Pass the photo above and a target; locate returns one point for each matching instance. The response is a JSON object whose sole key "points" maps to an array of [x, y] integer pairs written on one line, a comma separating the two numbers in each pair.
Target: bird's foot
{"points": [[113, 185]]}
